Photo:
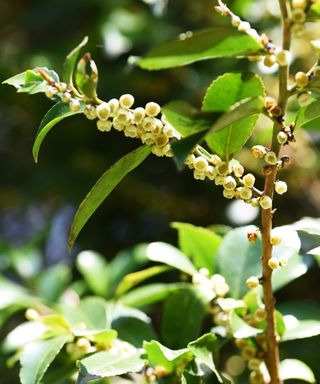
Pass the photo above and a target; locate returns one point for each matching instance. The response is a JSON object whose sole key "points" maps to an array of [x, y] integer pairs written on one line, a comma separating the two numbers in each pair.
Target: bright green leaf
{"points": [[57, 113], [209, 44], [240, 329], [237, 259], [71, 60], [104, 186], [168, 254], [87, 77], [182, 317], [37, 357], [14, 294], [200, 244], [309, 117], [296, 369], [204, 349]]}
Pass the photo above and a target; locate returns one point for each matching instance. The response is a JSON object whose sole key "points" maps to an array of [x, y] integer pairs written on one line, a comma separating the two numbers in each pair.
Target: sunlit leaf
{"points": [[71, 60], [296, 369], [240, 329]]}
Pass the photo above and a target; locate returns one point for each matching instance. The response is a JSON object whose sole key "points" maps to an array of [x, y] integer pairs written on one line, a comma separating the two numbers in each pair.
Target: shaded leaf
{"points": [[103, 187], [71, 60], [296, 369], [37, 357], [209, 44], [87, 76], [57, 113], [200, 244], [168, 254], [309, 117]]}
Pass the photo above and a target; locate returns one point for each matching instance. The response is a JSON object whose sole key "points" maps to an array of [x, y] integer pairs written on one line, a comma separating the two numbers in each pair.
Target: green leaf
{"points": [[237, 259], [168, 254], [301, 320], [106, 364], [200, 244], [182, 317], [71, 60], [134, 330], [136, 278], [209, 44], [296, 369], [204, 349], [95, 270], [148, 294], [14, 294], [280, 324], [37, 357], [240, 329], [104, 186], [159, 355], [87, 76], [309, 117], [57, 113]]}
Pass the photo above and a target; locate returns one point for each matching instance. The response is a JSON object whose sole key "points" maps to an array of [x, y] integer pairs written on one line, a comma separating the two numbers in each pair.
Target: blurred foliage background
{"points": [[37, 202]]}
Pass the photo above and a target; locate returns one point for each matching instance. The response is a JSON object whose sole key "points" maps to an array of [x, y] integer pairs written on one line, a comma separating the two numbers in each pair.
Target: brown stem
{"points": [[266, 215]]}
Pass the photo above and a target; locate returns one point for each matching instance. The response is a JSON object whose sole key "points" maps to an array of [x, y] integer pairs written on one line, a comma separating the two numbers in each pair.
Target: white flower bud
{"points": [[244, 26], [269, 61], [62, 87], [157, 151], [283, 261], [152, 109], [273, 263], [228, 193], [215, 159], [126, 101], [118, 125], [235, 365], [204, 271], [168, 130], [90, 112], [66, 97], [167, 150], [201, 164], [271, 158], [149, 124], [283, 58], [301, 79], [222, 168], [235, 20], [258, 151], [275, 240], [190, 159], [130, 130], [255, 202], [298, 16], [103, 111], [138, 114], [161, 140], [199, 175], [238, 170], [280, 187], [51, 91], [104, 125], [282, 137], [219, 180], [252, 282], [229, 183], [304, 99], [249, 180], [265, 202], [254, 364], [245, 193], [124, 116], [113, 106], [32, 315], [74, 105]]}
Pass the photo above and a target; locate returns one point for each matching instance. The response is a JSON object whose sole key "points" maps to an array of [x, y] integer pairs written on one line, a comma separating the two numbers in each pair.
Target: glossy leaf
{"points": [[57, 113], [37, 357], [209, 44], [168, 254], [200, 244], [240, 329], [71, 60], [237, 259], [205, 349], [103, 187], [182, 317], [159, 355], [95, 270], [135, 278], [107, 364], [296, 369]]}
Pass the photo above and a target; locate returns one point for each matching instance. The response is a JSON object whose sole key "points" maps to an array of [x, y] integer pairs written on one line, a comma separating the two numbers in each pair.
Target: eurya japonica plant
{"points": [[219, 321]]}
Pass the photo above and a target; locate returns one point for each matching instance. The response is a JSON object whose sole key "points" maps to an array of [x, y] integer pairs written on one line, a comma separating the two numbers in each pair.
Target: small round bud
{"points": [[258, 151], [103, 111], [152, 109], [235, 20], [228, 193], [66, 97], [235, 365], [298, 30], [244, 26], [215, 159], [304, 99], [240, 343], [211, 173], [222, 168], [230, 183], [190, 159], [255, 202], [252, 237], [204, 271], [201, 164], [249, 180], [301, 79], [269, 61], [256, 377], [283, 58], [271, 158], [283, 261], [276, 111], [74, 105], [245, 193], [298, 16], [267, 170], [299, 4], [138, 114], [265, 202], [124, 116], [62, 87], [126, 101], [260, 314], [51, 91], [282, 137], [31, 314], [275, 240], [248, 352], [270, 102], [90, 112], [199, 175], [254, 364], [280, 187], [238, 170], [273, 263], [104, 125], [161, 140], [83, 344], [252, 282]]}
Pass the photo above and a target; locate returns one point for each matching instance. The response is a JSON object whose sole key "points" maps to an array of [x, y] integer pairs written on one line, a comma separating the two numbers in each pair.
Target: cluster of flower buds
{"points": [[298, 17], [62, 91], [214, 286]]}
